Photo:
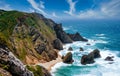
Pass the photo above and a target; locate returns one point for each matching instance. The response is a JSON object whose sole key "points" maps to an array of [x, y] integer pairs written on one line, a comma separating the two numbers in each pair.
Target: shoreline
{"points": [[50, 64]]}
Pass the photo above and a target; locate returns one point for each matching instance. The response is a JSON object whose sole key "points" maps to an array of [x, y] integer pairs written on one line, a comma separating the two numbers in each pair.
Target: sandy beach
{"points": [[50, 64]]}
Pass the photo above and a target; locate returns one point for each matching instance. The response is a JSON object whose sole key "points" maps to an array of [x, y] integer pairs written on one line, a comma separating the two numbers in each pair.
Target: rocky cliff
{"points": [[26, 39]]}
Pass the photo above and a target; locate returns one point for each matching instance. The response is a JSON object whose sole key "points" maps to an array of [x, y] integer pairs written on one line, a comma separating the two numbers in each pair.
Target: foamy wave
{"points": [[100, 34], [66, 28], [100, 67]]}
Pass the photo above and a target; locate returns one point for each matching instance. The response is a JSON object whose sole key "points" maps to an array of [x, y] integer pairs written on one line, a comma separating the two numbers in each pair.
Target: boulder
{"points": [[57, 44], [88, 59], [77, 37], [70, 49], [96, 53], [81, 49], [108, 58], [61, 34], [68, 58]]}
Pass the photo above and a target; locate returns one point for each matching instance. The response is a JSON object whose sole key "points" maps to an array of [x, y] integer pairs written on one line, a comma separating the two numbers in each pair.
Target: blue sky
{"points": [[67, 9]]}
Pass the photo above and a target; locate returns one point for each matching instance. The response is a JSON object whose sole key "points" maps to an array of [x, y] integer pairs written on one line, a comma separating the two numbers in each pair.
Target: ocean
{"points": [[103, 35]]}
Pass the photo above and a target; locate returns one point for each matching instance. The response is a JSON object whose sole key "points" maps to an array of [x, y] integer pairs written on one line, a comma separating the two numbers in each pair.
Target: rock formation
{"points": [[77, 37], [68, 58], [14, 65], [57, 44], [88, 59], [62, 34], [27, 38]]}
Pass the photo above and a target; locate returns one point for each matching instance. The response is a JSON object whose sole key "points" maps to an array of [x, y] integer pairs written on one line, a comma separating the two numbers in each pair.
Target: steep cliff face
{"points": [[27, 35], [29, 38]]}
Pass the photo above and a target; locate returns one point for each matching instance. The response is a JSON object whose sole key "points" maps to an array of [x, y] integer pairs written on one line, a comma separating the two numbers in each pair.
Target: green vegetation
{"points": [[37, 70]]}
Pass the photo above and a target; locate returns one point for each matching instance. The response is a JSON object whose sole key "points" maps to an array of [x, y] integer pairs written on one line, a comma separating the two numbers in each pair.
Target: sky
{"points": [[67, 9]]}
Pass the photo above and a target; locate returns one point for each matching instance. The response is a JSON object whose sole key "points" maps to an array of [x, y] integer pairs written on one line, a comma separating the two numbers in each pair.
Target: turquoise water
{"points": [[104, 35]]}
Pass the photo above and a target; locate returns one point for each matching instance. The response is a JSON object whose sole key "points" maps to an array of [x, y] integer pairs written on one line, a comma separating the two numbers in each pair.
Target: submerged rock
{"points": [[81, 49], [108, 58], [77, 37], [57, 44], [68, 58], [70, 49]]}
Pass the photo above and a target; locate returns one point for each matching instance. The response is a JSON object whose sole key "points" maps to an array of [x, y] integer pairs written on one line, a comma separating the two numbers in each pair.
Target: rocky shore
{"points": [[30, 38]]}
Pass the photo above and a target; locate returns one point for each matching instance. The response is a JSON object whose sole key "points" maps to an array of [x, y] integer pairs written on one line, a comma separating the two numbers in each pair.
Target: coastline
{"points": [[50, 64]]}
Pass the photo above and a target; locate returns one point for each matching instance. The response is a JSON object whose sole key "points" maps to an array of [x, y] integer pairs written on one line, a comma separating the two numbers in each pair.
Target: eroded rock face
{"points": [[77, 37], [68, 58], [15, 66], [88, 59], [57, 44], [61, 34]]}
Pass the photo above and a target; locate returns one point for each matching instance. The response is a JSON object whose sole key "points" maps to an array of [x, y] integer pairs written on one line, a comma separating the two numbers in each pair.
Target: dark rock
{"points": [[62, 57], [88, 59], [77, 37], [62, 34], [108, 58], [70, 49], [68, 58], [57, 44], [81, 49], [88, 44], [96, 53], [40, 48], [14, 65]]}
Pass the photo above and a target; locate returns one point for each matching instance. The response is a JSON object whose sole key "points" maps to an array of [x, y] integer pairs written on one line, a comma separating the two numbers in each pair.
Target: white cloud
{"points": [[71, 8], [5, 6], [42, 5], [90, 14], [37, 7], [54, 15], [109, 9]]}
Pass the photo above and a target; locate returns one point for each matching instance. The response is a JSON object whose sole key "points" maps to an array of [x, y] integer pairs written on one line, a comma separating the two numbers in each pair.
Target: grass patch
{"points": [[37, 70]]}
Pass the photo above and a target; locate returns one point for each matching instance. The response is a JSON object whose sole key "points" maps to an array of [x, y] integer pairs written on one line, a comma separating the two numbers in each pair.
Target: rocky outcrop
{"points": [[109, 58], [95, 53], [62, 34], [14, 65], [88, 59], [57, 44], [70, 49], [77, 37], [68, 58]]}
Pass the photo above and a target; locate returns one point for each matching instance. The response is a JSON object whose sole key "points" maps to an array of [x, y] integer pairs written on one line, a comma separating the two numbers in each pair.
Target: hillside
{"points": [[27, 39]]}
